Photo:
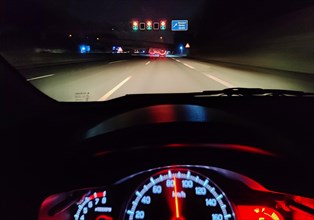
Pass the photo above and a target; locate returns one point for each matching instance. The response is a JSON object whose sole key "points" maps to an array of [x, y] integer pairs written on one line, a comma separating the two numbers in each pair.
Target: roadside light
{"points": [[135, 25], [149, 25], [163, 25], [181, 49], [84, 48]]}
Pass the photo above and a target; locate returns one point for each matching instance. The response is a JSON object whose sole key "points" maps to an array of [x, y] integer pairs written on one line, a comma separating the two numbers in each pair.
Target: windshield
{"points": [[97, 50]]}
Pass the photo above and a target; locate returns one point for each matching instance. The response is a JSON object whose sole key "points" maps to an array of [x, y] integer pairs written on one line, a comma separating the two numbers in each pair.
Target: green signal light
{"points": [[135, 26], [163, 25], [149, 25]]}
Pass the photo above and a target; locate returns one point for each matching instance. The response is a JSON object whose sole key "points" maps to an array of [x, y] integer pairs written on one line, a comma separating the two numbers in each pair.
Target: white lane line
{"points": [[40, 77], [118, 61], [176, 60], [208, 75], [219, 80], [147, 63], [187, 65], [108, 94]]}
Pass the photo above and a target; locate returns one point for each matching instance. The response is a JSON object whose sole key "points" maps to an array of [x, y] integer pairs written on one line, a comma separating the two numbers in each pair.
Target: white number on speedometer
{"points": [[179, 194]]}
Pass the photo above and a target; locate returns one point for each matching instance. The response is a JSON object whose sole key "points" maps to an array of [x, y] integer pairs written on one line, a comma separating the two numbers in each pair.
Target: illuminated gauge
{"points": [[259, 213], [179, 194], [94, 207]]}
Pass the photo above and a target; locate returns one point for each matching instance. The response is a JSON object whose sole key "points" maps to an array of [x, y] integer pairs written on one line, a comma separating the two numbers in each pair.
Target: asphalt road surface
{"points": [[100, 81]]}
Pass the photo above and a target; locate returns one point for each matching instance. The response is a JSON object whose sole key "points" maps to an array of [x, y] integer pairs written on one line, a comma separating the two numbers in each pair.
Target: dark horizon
{"points": [[50, 22]]}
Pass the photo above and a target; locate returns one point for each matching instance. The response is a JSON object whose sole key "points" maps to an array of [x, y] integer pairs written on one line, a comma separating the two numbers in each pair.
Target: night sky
{"points": [[98, 11], [208, 19]]}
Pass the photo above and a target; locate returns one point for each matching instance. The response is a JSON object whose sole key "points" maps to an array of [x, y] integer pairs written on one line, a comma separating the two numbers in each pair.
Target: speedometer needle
{"points": [[176, 198]]}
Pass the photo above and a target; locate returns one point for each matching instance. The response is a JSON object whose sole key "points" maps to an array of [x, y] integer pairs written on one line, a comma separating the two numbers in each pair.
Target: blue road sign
{"points": [[179, 25]]}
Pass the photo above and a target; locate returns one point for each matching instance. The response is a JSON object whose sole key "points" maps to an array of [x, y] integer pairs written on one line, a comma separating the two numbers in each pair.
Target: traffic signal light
{"points": [[135, 25], [149, 25], [142, 26], [163, 25], [156, 26]]}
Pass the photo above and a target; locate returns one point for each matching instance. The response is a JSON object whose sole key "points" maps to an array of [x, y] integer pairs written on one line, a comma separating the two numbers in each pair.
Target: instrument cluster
{"points": [[178, 192]]}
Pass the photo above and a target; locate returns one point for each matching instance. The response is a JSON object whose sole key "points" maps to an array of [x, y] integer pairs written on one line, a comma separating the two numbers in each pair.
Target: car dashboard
{"points": [[169, 162], [177, 192], [157, 156]]}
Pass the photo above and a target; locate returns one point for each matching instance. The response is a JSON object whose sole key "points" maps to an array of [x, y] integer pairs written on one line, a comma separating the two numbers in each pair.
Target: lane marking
{"points": [[118, 61], [176, 60], [40, 77], [147, 63], [187, 65], [219, 80], [108, 94], [227, 84]]}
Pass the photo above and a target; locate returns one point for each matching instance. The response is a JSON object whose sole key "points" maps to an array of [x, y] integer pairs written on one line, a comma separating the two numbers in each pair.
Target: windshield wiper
{"points": [[254, 92]]}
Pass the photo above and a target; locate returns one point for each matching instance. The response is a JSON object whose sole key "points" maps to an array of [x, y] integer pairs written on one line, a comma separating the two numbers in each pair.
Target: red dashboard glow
{"points": [[258, 213], [235, 147], [104, 217], [96, 195]]}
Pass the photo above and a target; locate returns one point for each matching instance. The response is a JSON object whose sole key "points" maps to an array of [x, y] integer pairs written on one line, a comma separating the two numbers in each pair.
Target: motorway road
{"points": [[97, 81]]}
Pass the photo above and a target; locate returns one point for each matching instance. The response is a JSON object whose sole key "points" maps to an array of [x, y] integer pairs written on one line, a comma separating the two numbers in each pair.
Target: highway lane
{"points": [[104, 81]]}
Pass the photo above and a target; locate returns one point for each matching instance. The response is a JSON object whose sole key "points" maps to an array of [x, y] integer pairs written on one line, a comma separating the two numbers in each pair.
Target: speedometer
{"points": [[179, 194]]}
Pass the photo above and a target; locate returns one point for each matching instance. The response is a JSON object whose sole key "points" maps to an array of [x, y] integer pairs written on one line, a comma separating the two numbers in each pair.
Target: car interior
{"points": [[228, 155], [156, 110]]}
